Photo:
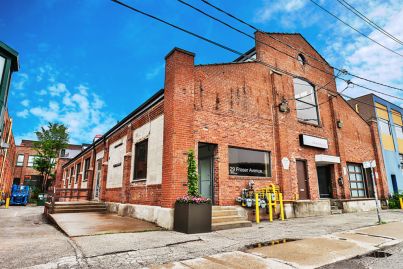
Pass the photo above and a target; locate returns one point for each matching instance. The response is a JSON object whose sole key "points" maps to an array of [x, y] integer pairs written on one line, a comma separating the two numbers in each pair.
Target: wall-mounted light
{"points": [[283, 107], [339, 124]]}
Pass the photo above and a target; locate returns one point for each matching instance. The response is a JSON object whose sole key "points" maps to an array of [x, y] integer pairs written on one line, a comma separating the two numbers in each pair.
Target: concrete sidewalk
{"points": [[306, 253], [40, 245], [95, 223]]}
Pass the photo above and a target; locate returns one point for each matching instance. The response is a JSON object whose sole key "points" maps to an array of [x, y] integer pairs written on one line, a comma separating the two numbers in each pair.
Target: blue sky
{"points": [[88, 64]]}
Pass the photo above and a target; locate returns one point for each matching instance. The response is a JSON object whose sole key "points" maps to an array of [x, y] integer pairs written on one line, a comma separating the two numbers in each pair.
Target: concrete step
{"points": [[222, 213], [336, 211], [81, 206], [75, 210], [231, 225], [226, 219], [223, 207]]}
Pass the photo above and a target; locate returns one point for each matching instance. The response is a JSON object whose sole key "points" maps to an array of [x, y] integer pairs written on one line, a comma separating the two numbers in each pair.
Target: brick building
{"points": [[245, 121], [25, 174], [7, 156], [390, 127]]}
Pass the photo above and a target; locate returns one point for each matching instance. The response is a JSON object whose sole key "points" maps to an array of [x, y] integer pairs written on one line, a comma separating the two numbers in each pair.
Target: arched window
{"points": [[301, 59], [306, 103]]}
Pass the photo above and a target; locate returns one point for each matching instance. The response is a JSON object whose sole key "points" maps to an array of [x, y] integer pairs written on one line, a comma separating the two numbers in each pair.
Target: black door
{"points": [[324, 180]]}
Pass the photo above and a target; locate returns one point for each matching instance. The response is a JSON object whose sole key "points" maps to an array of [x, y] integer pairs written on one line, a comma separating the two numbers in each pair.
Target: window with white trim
{"points": [[306, 102]]}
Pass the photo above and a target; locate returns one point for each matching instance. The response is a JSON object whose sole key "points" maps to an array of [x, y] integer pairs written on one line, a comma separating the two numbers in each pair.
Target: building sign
{"points": [[246, 162], [313, 141]]}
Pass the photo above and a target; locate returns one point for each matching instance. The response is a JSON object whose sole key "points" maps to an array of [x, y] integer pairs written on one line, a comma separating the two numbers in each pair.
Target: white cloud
{"points": [[154, 72], [23, 114], [82, 113], [365, 58], [20, 81], [271, 8], [25, 102], [57, 89], [41, 92]]}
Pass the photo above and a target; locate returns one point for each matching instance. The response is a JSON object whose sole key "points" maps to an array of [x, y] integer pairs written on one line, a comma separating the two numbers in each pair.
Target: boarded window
{"points": [[140, 162], [246, 162]]}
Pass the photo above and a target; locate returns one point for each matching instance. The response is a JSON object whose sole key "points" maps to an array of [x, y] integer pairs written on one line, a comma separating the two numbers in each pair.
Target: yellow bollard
{"points": [[270, 208], [280, 195], [257, 207], [401, 203], [7, 202]]}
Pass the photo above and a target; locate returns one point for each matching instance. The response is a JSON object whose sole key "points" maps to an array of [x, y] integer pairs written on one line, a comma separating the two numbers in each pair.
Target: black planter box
{"points": [[192, 218]]}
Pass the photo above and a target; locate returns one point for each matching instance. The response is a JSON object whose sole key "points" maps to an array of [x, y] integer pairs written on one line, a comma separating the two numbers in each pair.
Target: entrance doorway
{"points": [[324, 181], [97, 183], [302, 176], [394, 184], [206, 170]]}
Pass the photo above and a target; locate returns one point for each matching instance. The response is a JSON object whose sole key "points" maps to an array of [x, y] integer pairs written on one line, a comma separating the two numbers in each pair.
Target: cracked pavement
{"points": [[27, 241]]}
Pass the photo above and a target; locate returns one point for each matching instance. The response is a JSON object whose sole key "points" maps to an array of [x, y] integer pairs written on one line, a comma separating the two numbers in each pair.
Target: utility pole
{"points": [[372, 164]]}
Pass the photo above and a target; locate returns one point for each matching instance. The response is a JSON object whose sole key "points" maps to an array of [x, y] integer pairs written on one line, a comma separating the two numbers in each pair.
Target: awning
{"points": [[323, 159]]}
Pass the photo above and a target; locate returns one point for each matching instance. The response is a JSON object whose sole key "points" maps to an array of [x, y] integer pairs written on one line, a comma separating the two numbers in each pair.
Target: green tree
{"points": [[193, 183], [51, 141]]}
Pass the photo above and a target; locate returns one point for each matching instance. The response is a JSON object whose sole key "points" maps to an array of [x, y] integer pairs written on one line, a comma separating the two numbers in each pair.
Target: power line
{"points": [[292, 47], [368, 21], [371, 105], [355, 29], [248, 35], [228, 48]]}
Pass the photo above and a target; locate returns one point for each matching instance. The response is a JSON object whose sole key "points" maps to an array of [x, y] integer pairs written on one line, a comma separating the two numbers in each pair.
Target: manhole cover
{"points": [[270, 243], [379, 254]]}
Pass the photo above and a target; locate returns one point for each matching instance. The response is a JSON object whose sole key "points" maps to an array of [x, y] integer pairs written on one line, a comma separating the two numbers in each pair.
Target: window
{"points": [[140, 161], [20, 160], [71, 174], [246, 162], [357, 183], [31, 159], [63, 153], [401, 162], [78, 169], [397, 120], [86, 168], [306, 103], [301, 59], [2, 65], [384, 127]]}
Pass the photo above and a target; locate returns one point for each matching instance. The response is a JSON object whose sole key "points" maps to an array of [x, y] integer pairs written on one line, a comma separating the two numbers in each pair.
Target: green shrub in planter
{"points": [[192, 212]]}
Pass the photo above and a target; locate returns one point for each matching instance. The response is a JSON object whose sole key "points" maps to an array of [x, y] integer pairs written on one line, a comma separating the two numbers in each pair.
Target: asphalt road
{"points": [[395, 261]]}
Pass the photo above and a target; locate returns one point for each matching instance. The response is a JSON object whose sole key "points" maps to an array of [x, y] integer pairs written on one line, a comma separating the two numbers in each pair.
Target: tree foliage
{"points": [[51, 140], [193, 183]]}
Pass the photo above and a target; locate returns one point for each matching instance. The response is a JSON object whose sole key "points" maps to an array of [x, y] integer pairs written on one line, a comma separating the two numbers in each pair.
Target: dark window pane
{"points": [[86, 167], [245, 162], [78, 168], [140, 162]]}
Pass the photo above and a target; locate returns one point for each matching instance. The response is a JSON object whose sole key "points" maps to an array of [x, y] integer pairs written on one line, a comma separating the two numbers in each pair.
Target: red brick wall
{"points": [[129, 192], [236, 104], [7, 157]]}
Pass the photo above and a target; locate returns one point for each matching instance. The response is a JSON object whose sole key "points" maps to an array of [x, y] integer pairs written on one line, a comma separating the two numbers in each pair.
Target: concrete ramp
{"points": [[93, 223]]}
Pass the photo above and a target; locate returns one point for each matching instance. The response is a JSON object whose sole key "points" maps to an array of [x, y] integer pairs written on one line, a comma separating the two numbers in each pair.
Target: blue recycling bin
{"points": [[19, 195]]}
